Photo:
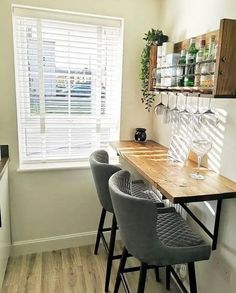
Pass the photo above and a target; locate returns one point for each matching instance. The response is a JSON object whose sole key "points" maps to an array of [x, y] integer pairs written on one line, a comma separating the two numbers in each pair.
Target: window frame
{"points": [[64, 162]]}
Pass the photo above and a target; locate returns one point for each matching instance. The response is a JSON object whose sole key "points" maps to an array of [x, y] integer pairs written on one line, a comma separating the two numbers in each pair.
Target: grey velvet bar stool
{"points": [[102, 171], [157, 237]]}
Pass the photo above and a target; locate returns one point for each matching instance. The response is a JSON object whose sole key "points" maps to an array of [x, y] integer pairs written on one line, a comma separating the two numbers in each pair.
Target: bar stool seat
{"points": [[140, 190], [173, 231]]}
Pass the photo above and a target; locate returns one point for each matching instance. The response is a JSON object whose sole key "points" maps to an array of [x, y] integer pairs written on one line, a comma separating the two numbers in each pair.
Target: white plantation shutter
{"points": [[68, 78]]}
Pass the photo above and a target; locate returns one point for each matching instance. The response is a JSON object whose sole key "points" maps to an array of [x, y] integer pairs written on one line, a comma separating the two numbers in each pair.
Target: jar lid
{"points": [[140, 129]]}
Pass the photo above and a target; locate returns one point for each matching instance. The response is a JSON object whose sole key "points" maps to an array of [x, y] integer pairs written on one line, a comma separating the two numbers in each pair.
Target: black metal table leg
{"points": [[217, 224]]}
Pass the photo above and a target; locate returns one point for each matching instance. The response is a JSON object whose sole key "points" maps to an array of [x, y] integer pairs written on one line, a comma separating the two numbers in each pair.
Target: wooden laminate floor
{"points": [[71, 270]]}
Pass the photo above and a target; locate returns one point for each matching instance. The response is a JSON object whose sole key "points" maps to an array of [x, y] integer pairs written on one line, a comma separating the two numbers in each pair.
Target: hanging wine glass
{"points": [[185, 111], [196, 117], [174, 113], [166, 113], [209, 116], [185, 119], [159, 108], [198, 108]]}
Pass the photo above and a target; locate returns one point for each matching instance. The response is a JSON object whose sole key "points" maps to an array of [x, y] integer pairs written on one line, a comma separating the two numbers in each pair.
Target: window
{"points": [[68, 83]]}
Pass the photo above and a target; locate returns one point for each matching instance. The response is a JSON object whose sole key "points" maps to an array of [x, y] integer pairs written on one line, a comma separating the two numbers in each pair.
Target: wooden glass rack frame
{"points": [[225, 69], [190, 91]]}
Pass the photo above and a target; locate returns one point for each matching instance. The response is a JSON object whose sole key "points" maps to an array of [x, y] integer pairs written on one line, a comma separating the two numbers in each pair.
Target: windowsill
{"points": [[57, 166]]}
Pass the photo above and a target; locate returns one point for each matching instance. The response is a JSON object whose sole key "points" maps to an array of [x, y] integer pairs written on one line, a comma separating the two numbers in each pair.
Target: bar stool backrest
{"points": [[102, 171], [136, 218]]}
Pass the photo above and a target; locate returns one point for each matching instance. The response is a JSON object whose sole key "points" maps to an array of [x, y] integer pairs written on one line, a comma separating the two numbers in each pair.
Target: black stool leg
{"points": [[142, 278], [111, 252], [100, 227], [121, 269], [157, 274], [168, 278], [192, 277]]}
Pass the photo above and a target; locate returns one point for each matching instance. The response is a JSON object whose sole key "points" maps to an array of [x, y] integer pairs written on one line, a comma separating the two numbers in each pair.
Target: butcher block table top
{"points": [[173, 179]]}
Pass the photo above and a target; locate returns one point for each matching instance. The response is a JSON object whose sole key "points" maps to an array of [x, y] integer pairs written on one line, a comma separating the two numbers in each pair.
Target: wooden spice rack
{"points": [[225, 69]]}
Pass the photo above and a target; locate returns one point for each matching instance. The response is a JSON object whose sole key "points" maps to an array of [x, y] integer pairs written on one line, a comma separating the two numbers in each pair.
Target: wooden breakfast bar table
{"points": [[173, 179]]}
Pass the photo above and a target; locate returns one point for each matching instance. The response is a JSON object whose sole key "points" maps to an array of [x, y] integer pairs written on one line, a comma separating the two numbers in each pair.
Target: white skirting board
{"points": [[56, 242], [53, 243]]}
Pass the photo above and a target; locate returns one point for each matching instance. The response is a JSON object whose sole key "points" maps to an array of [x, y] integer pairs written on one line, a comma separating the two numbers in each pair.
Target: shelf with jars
{"points": [[205, 64]]}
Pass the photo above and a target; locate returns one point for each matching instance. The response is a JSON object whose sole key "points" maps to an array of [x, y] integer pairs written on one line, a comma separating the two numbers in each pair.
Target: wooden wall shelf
{"points": [[225, 69], [203, 92]]}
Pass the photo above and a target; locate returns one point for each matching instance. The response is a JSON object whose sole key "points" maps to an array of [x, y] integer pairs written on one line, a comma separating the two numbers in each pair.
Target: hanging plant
{"points": [[152, 37]]}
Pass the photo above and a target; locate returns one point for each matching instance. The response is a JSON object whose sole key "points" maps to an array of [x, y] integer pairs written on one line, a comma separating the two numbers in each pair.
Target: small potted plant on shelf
{"points": [[153, 38]]}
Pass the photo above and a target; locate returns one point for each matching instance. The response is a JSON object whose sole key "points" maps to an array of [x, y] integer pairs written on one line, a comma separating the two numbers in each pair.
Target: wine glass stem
{"points": [[198, 104], [199, 160], [209, 105]]}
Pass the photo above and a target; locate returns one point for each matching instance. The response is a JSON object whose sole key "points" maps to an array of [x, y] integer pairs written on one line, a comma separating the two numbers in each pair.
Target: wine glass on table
{"points": [[200, 147]]}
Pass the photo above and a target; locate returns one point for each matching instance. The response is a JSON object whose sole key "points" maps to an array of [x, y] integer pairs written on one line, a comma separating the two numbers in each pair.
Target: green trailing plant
{"points": [[152, 37]]}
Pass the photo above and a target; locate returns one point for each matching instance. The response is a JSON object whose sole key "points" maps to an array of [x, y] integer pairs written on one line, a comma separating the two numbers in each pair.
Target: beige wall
{"points": [[180, 20], [52, 203]]}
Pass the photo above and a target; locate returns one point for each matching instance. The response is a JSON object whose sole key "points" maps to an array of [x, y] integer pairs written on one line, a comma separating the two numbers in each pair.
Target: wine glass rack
{"points": [[225, 64]]}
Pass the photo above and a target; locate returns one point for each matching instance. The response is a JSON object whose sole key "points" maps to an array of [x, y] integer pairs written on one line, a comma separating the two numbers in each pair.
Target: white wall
{"points": [[5, 239], [180, 20], [53, 203]]}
